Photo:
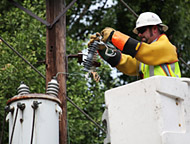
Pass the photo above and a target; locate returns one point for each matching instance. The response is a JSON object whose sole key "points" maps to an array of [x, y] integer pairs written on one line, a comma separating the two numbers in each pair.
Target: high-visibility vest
{"points": [[172, 70]]}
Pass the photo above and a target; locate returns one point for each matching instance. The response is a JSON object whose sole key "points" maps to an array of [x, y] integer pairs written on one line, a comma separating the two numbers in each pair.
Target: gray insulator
{"points": [[53, 88], [92, 51], [23, 89]]}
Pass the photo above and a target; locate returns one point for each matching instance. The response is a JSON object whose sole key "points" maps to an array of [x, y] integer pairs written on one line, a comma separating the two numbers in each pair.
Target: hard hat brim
{"points": [[164, 28]]}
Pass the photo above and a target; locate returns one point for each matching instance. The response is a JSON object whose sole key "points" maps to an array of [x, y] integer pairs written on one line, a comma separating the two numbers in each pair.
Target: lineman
{"points": [[154, 55]]}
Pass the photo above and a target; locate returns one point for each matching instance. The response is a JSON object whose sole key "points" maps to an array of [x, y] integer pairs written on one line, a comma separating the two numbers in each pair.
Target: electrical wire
{"points": [[130, 9], [33, 122], [13, 129], [184, 62], [16, 52], [81, 74], [34, 106], [87, 116]]}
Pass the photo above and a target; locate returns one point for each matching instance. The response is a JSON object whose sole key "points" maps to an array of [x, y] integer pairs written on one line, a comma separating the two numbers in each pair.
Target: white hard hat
{"points": [[147, 19]]}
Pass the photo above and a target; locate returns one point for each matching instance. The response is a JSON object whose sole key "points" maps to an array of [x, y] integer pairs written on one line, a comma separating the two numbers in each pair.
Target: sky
{"points": [[108, 4]]}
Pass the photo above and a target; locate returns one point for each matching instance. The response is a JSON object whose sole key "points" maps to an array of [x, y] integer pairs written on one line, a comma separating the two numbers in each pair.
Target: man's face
{"points": [[146, 34]]}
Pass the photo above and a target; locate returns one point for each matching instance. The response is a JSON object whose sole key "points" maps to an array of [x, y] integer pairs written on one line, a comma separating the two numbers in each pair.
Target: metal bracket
{"points": [[79, 56]]}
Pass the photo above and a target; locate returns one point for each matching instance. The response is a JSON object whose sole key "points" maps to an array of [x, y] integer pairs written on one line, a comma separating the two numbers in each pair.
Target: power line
{"points": [[87, 115], [16, 52], [130, 9], [184, 62]]}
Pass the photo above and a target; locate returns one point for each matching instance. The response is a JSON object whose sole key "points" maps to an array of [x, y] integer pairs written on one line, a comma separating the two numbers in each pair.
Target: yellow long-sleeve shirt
{"points": [[159, 52]]}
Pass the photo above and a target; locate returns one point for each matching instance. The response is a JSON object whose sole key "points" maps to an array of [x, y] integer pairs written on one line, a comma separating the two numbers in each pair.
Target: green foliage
{"points": [[28, 37]]}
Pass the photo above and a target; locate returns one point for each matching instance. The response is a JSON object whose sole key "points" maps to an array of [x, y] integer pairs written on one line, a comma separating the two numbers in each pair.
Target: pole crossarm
{"points": [[30, 13], [62, 13], [40, 19]]}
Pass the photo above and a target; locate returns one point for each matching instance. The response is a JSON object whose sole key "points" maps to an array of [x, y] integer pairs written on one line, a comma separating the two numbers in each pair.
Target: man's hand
{"points": [[93, 38], [96, 37], [115, 58], [106, 33]]}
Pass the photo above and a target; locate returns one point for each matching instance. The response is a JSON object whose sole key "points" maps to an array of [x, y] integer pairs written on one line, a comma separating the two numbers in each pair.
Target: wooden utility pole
{"points": [[56, 56]]}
